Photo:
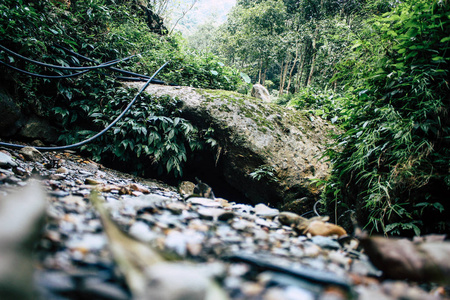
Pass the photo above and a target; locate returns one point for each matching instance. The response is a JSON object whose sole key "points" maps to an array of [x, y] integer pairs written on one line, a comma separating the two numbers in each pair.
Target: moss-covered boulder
{"points": [[269, 153]]}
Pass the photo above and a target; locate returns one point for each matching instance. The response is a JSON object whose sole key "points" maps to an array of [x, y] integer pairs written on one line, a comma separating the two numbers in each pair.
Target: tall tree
{"points": [[251, 35]]}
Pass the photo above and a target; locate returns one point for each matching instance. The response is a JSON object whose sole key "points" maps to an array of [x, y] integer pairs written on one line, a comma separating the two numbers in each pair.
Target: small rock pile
{"points": [[246, 249]]}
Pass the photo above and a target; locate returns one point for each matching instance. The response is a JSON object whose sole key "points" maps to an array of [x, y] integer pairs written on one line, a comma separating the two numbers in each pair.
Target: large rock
{"points": [[260, 92], [9, 115], [253, 134], [38, 128]]}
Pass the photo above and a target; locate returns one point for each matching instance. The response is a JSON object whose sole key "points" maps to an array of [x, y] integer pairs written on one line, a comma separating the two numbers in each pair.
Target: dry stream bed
{"points": [[56, 244]]}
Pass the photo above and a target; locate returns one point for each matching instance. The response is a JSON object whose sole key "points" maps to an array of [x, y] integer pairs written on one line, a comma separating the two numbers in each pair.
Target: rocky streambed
{"points": [[206, 248]]}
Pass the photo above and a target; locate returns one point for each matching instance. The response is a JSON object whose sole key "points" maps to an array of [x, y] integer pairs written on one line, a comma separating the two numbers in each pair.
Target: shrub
{"points": [[323, 103], [151, 139]]}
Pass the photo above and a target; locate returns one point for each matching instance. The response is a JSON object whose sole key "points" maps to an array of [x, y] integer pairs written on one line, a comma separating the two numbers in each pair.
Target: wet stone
{"points": [[85, 173], [6, 161], [210, 213], [59, 194], [176, 207], [226, 215], [31, 154], [325, 242], [13, 180], [57, 176], [19, 171], [143, 232], [93, 181], [264, 211], [204, 202]]}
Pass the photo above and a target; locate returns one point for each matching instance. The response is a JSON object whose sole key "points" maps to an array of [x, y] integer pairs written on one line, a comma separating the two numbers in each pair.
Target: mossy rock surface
{"points": [[251, 134]]}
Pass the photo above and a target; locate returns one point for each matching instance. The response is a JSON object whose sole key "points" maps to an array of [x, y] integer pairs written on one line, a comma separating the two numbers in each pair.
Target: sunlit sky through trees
{"points": [[202, 12]]}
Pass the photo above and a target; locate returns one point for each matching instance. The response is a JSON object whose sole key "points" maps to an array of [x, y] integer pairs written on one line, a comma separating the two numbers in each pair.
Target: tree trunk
{"points": [[300, 72], [260, 71], [284, 69], [313, 61], [263, 79], [280, 88], [311, 70], [292, 69]]}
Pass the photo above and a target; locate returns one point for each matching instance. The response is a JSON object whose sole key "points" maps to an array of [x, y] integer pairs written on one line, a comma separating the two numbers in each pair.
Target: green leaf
{"points": [[438, 58], [439, 206], [416, 230], [245, 77]]}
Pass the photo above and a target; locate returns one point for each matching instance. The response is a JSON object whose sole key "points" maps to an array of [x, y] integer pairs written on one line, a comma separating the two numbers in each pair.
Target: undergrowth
{"points": [[391, 163], [151, 137], [391, 159]]}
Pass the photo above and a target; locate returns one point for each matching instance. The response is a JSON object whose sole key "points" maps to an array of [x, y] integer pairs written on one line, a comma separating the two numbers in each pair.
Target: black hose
{"points": [[315, 208], [43, 76], [124, 78], [62, 67], [138, 77], [99, 133], [68, 75], [91, 60]]}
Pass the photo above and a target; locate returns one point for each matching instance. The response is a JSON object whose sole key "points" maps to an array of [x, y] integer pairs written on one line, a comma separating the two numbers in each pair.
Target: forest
{"points": [[376, 69]]}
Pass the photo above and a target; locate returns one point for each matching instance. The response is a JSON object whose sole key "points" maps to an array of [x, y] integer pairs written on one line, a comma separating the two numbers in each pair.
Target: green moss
{"points": [[246, 105]]}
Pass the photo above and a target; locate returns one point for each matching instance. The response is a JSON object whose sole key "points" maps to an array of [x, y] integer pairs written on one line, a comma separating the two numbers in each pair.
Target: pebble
{"points": [[204, 202], [62, 170], [263, 210], [6, 161], [142, 231], [59, 194], [176, 208], [31, 154], [325, 242], [57, 176], [211, 213], [87, 242], [92, 181], [20, 171]]}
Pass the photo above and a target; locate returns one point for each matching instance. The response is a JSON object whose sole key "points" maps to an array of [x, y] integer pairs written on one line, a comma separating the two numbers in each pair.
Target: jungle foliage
{"points": [[392, 161], [377, 69], [152, 137], [292, 43]]}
